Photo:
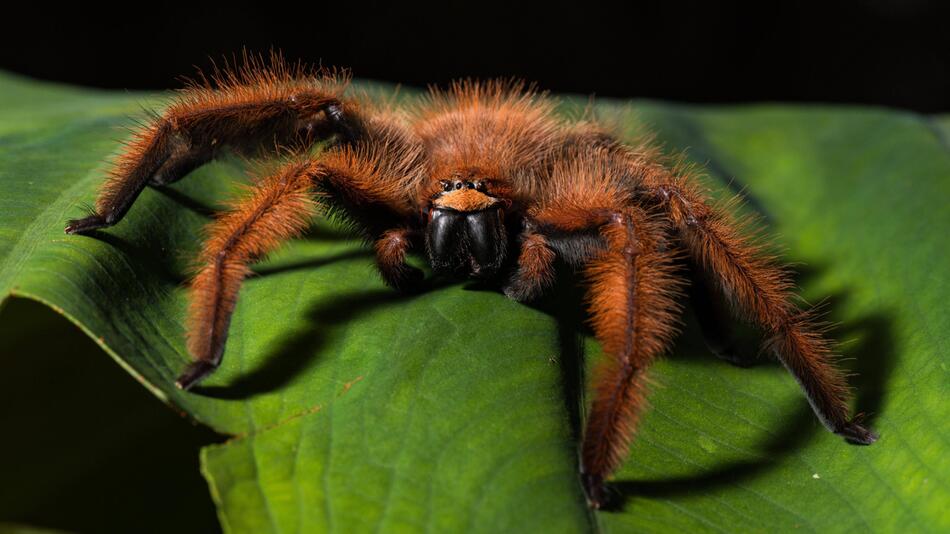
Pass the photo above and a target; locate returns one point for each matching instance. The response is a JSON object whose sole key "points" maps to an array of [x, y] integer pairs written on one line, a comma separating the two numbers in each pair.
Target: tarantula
{"points": [[492, 184]]}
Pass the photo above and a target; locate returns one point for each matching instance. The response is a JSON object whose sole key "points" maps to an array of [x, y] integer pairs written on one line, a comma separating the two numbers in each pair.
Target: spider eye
{"points": [[480, 186], [446, 186], [458, 185], [470, 185]]}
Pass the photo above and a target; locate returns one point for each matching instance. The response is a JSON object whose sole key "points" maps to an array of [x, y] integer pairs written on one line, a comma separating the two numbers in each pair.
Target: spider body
{"points": [[488, 182]]}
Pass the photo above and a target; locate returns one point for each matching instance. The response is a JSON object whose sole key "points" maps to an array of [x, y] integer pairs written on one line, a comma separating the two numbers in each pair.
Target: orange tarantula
{"points": [[492, 184]]}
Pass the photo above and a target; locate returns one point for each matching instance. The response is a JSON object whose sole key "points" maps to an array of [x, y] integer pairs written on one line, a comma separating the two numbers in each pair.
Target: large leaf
{"points": [[355, 407]]}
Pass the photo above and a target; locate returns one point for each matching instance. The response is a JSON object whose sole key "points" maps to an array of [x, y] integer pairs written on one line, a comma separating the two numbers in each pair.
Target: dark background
{"points": [[891, 53]]}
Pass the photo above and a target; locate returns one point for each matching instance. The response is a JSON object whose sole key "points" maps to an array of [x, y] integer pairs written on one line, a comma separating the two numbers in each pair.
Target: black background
{"points": [[893, 53]]}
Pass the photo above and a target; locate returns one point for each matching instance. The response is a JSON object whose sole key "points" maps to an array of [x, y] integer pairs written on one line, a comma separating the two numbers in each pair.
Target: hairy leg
{"points": [[633, 286], [281, 206], [391, 249], [535, 272], [760, 291], [254, 107], [569, 231], [633, 313]]}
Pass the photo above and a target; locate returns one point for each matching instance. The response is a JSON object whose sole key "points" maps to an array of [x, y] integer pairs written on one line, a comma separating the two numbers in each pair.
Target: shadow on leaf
{"points": [[185, 201], [872, 360], [870, 363], [311, 263], [298, 350], [319, 231], [147, 257]]}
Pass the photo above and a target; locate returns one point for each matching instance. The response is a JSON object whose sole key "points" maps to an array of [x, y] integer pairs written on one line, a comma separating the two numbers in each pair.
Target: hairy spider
{"points": [[493, 185]]}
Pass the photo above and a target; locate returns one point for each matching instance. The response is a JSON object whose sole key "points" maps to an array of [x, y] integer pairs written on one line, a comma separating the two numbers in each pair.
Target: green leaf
{"points": [[354, 407]]}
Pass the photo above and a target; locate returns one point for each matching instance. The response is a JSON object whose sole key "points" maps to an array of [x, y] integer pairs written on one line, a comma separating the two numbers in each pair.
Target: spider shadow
{"points": [[564, 303], [185, 201], [297, 351], [866, 348], [316, 232], [146, 255], [314, 263], [166, 269], [870, 363], [797, 430], [688, 134]]}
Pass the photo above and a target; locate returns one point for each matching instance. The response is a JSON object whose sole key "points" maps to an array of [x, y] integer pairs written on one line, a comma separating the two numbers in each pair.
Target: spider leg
{"points": [[760, 291], [254, 108], [548, 234], [712, 316], [632, 306], [633, 313], [391, 249], [280, 207], [535, 271]]}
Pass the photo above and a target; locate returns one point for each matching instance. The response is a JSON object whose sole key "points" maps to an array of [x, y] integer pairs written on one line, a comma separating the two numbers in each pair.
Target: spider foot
{"points": [[595, 490], [521, 291], [856, 434], [86, 224], [194, 373]]}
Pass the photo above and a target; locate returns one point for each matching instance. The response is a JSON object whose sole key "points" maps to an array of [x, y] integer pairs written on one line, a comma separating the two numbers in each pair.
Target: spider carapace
{"points": [[489, 182]]}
